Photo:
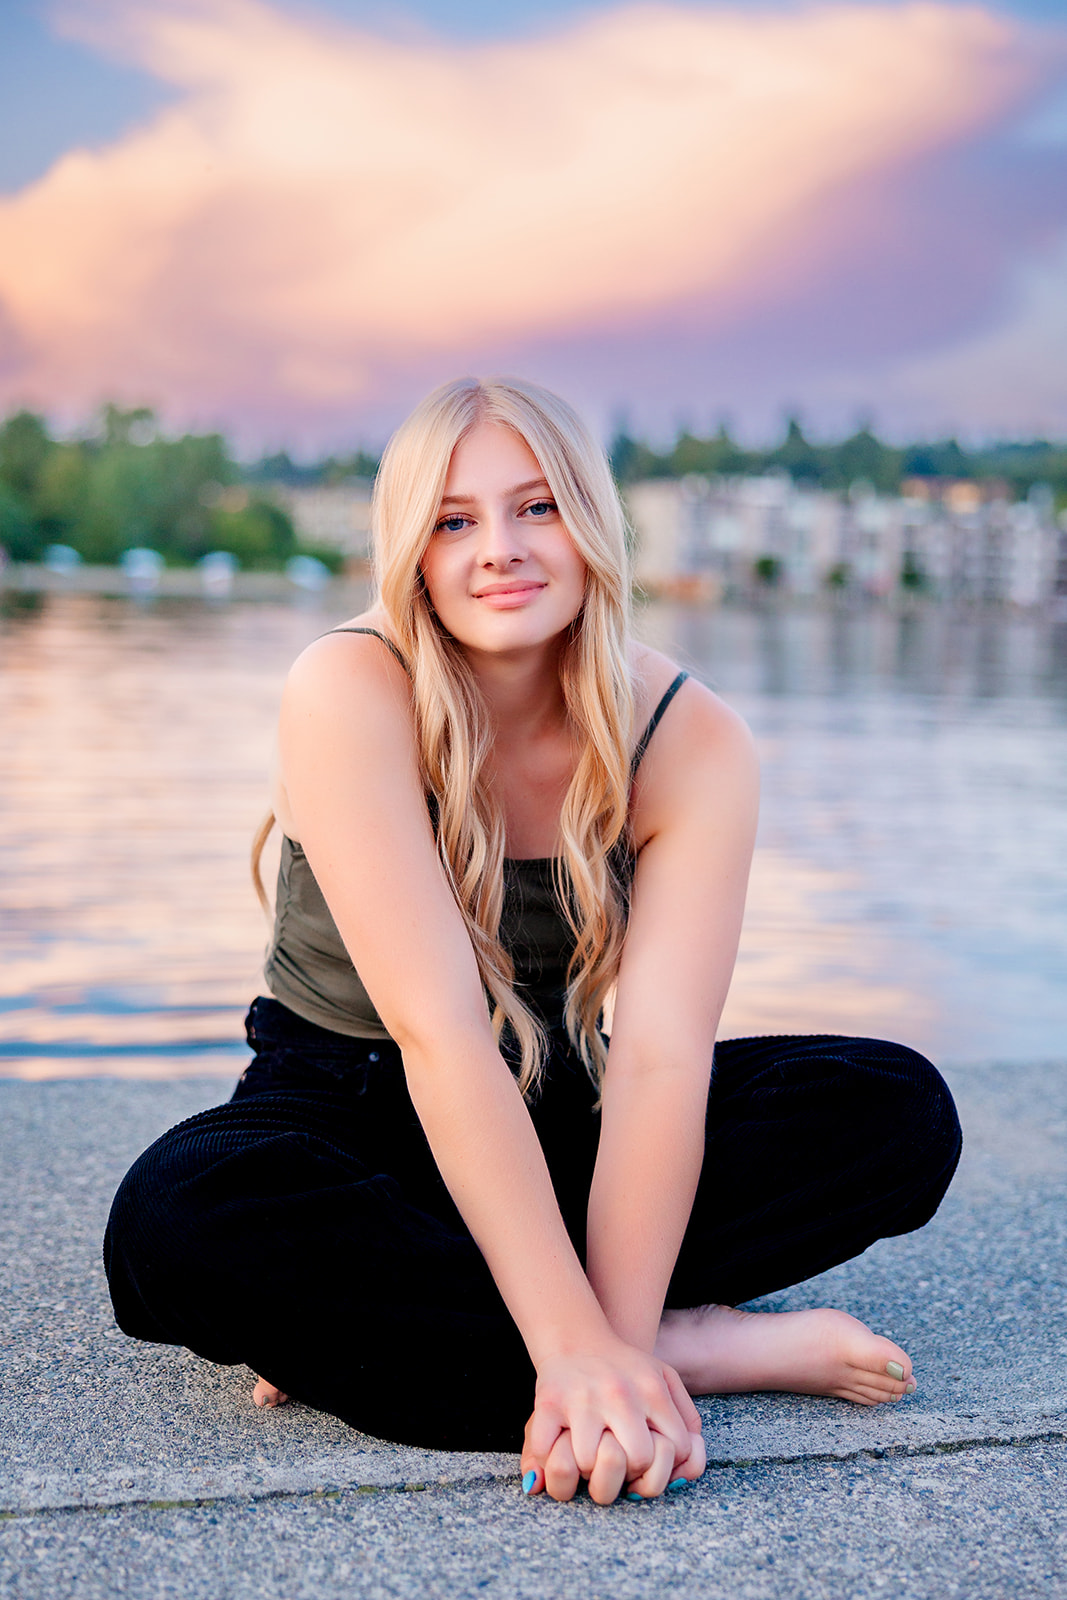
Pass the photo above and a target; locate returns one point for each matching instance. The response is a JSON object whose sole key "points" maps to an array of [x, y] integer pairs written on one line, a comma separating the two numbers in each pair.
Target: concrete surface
{"points": [[139, 1469]]}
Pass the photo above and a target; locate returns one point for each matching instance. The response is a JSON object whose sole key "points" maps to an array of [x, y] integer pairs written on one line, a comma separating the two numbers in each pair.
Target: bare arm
{"points": [[698, 807], [350, 772]]}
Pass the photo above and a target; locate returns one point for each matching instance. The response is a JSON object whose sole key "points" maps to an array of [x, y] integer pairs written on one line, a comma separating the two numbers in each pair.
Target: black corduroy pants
{"points": [[303, 1228]]}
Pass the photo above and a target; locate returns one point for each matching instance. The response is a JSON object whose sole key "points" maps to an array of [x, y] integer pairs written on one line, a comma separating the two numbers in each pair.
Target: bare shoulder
{"points": [[701, 758], [697, 720], [347, 678], [361, 648], [346, 711]]}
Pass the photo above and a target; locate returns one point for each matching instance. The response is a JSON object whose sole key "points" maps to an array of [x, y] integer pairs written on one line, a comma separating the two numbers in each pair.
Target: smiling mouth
{"points": [[508, 588]]}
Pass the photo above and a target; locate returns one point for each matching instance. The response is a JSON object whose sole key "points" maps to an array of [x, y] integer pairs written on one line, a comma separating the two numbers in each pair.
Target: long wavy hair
{"points": [[452, 722]]}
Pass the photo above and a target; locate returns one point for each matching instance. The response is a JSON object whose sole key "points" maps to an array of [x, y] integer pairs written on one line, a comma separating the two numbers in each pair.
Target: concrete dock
{"points": [[139, 1470]]}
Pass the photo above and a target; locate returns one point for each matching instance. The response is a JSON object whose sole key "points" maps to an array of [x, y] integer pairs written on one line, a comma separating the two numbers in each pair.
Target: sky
{"points": [[289, 220]]}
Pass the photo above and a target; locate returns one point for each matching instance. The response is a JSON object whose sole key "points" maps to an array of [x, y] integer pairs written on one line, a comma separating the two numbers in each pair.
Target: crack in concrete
{"points": [[869, 1453]]}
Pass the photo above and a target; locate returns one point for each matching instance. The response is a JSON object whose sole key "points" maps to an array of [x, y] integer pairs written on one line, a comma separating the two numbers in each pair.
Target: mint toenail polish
{"points": [[528, 1480], [895, 1370], [910, 1386]]}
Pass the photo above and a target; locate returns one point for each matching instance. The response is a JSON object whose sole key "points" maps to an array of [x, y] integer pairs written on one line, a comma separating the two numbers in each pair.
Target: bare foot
{"points": [[719, 1350], [265, 1394]]}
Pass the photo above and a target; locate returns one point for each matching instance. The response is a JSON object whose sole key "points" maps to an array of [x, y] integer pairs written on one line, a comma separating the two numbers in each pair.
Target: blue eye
{"points": [[541, 508], [453, 524]]}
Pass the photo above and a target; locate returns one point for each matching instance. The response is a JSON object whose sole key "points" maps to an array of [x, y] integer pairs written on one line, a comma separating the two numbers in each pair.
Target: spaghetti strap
{"points": [[376, 635], [654, 721], [642, 743]]}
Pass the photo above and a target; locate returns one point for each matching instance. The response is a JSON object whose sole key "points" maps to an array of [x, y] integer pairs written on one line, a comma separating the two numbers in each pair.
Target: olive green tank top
{"points": [[309, 970]]}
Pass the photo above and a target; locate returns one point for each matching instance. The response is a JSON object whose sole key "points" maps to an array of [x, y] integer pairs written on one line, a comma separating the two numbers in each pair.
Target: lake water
{"points": [[910, 881]]}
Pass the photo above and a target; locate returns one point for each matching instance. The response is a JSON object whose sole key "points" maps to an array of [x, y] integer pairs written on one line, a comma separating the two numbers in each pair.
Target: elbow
{"points": [[427, 1045]]}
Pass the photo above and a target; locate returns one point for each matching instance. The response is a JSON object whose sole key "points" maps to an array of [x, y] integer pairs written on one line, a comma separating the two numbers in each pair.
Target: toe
{"points": [[891, 1361], [267, 1394]]}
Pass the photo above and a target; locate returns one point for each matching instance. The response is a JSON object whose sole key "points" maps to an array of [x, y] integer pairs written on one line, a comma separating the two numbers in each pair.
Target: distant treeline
{"points": [[863, 456], [123, 483]]}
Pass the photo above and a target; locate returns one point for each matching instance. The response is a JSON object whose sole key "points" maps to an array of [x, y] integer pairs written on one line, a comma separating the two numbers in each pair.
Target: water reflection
{"points": [[849, 651], [911, 877]]}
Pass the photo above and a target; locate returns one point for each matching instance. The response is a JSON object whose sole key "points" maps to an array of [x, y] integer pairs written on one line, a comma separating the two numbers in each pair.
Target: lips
{"points": [[499, 591], [514, 596]]}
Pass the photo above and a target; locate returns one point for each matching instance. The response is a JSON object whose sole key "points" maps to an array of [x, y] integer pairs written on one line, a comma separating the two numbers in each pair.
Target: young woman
{"points": [[441, 1203]]}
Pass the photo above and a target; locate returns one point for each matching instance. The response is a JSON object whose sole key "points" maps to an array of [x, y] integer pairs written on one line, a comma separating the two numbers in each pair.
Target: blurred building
{"points": [[950, 539], [334, 515]]}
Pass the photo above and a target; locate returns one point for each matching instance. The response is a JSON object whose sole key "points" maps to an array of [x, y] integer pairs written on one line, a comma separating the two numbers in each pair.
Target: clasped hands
{"points": [[620, 1419]]}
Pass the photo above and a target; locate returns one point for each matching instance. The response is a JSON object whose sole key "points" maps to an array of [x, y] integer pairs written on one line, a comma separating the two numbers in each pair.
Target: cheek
{"points": [[444, 582], [578, 572], [432, 574]]}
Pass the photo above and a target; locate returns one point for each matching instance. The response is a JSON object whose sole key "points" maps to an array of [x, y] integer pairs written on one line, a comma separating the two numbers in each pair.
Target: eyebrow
{"points": [[520, 488]]}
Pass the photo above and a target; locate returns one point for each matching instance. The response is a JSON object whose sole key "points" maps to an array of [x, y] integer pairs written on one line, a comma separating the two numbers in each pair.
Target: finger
{"points": [[561, 1469], [586, 1434], [665, 1418], [682, 1399], [647, 1410], [697, 1464], [659, 1474], [609, 1471], [634, 1434], [692, 1463], [542, 1431]]}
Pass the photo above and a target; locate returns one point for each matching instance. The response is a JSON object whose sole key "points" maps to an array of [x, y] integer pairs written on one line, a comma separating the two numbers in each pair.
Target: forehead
{"points": [[490, 458]]}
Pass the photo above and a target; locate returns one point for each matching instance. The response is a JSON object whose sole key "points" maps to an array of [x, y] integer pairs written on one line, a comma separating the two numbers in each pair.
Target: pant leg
{"points": [[815, 1148], [303, 1229]]}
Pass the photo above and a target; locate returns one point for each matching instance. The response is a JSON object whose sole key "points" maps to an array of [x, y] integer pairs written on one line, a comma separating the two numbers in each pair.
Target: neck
{"points": [[522, 691]]}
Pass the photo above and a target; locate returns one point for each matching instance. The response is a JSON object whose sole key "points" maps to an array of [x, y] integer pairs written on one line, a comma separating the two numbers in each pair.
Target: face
{"points": [[501, 568]]}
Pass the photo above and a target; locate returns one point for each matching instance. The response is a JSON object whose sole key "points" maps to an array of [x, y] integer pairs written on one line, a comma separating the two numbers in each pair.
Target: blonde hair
{"points": [[451, 719], [452, 723]]}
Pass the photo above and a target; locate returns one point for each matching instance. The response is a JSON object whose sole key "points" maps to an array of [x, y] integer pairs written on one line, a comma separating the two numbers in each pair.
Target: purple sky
{"points": [[474, 205]]}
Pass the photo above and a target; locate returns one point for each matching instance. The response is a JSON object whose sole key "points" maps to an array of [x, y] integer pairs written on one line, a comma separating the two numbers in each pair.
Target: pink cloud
{"points": [[322, 207]]}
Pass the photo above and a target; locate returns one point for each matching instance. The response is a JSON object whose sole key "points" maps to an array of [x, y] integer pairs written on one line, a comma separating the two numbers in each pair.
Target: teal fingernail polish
{"points": [[678, 1483], [638, 1497], [528, 1480], [895, 1370]]}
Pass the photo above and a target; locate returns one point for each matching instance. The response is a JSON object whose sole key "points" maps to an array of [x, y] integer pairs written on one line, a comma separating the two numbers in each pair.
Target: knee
{"points": [[137, 1246], [164, 1219], [166, 1253], [926, 1104], [919, 1121]]}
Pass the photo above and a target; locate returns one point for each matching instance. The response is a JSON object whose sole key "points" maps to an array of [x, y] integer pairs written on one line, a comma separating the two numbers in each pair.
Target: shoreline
{"points": [[351, 588]]}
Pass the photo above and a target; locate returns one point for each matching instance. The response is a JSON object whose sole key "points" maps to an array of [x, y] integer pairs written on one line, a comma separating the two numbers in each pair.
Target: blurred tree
{"points": [[24, 449], [61, 491], [944, 459], [729, 457], [19, 535], [119, 508], [631, 460], [767, 570], [259, 535], [864, 456], [797, 456], [338, 469], [116, 426], [912, 576]]}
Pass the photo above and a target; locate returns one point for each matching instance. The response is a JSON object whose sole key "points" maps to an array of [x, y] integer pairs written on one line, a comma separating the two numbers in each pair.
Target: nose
{"points": [[501, 543]]}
